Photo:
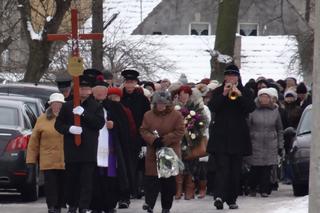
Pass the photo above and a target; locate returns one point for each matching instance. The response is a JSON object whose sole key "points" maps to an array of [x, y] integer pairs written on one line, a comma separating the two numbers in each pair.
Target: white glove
{"points": [[76, 130], [78, 110]]}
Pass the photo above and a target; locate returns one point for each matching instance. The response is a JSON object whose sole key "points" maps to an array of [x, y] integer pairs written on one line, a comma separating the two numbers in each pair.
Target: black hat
{"points": [[232, 69], [150, 84], [86, 81], [130, 74], [107, 75], [93, 74], [63, 80], [302, 89], [101, 83]]}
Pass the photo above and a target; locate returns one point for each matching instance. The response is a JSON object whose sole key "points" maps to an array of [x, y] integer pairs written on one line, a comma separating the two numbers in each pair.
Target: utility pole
{"points": [[314, 178]]}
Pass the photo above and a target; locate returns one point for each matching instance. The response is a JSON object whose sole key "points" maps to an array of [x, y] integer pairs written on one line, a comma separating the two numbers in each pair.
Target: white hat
{"points": [[265, 91], [274, 92], [56, 97], [292, 93]]}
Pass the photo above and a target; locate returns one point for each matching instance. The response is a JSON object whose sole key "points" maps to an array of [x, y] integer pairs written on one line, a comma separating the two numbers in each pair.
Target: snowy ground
{"points": [[281, 201]]}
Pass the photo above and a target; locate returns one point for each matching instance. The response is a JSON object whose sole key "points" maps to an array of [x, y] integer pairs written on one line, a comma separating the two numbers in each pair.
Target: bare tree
{"points": [[225, 35], [39, 47], [97, 27]]}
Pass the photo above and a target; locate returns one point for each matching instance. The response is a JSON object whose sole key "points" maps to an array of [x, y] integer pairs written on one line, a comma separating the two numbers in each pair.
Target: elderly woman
{"points": [[46, 144], [170, 127], [266, 134]]}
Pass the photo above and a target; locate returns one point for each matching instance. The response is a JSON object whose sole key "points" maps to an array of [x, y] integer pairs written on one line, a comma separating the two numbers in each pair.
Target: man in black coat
{"points": [[134, 99], [229, 137], [80, 160]]}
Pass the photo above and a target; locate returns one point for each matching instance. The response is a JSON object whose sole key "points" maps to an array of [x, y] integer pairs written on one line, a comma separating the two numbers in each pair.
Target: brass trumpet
{"points": [[232, 94]]}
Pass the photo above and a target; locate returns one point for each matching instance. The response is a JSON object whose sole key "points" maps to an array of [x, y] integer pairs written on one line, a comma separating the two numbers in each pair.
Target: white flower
{"points": [[177, 107], [185, 121], [201, 123], [193, 136], [190, 133], [189, 116], [192, 113]]}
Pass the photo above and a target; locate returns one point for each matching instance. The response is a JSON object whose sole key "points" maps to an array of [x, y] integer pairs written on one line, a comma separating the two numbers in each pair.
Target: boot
{"points": [[202, 189], [165, 210], [72, 209], [51, 210], [179, 186], [189, 188]]}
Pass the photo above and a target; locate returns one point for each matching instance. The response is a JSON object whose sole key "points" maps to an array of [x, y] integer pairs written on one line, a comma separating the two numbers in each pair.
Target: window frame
{"points": [[197, 22]]}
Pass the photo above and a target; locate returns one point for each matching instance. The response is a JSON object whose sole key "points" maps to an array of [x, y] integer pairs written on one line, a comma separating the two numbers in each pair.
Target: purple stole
{"points": [[112, 158]]}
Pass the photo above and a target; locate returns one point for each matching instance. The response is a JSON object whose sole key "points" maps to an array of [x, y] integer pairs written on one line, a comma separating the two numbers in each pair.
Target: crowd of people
{"points": [[229, 137]]}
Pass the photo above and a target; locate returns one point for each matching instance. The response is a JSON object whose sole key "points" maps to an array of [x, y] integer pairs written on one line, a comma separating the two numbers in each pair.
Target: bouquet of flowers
{"points": [[195, 122], [168, 163]]}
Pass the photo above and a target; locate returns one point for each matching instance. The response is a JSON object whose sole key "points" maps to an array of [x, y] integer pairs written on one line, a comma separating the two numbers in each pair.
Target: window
{"points": [[9, 116], [248, 29], [199, 28]]}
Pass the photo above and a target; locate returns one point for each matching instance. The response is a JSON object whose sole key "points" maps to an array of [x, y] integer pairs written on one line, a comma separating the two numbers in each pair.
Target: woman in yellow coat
{"points": [[46, 146]]}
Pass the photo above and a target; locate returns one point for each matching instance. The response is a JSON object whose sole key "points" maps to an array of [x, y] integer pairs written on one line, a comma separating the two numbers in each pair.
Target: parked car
{"points": [[31, 90], [16, 123], [34, 103], [300, 154]]}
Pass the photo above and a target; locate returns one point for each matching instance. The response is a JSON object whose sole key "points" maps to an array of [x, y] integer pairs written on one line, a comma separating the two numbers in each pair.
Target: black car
{"points": [[34, 103], [31, 90], [16, 123], [300, 154]]}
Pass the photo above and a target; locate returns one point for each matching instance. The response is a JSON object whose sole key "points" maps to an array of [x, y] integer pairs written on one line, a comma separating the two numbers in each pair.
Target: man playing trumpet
{"points": [[229, 137]]}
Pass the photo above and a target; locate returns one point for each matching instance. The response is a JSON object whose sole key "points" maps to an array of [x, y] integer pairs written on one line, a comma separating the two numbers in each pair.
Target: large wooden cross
{"points": [[75, 37]]}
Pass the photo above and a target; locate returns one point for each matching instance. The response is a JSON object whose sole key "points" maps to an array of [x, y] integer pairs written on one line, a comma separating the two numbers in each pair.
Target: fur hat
{"points": [[232, 69], [291, 93], [162, 97], [273, 92], [265, 91]]}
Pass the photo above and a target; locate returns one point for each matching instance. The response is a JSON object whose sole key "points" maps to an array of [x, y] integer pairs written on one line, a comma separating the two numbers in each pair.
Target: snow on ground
{"points": [[298, 205]]}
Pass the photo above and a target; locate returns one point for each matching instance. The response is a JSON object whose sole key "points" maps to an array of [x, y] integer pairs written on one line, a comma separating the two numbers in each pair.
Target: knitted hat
{"points": [[115, 91], [161, 97]]}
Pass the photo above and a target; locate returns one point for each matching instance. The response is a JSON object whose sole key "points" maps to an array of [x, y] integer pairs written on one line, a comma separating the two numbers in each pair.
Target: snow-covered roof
{"points": [[268, 56]]}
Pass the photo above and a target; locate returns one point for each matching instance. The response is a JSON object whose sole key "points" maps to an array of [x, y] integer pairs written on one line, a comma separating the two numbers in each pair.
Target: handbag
{"points": [[198, 151]]}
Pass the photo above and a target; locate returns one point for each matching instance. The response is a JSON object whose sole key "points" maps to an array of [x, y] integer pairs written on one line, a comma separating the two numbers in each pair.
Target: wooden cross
{"points": [[75, 37]]}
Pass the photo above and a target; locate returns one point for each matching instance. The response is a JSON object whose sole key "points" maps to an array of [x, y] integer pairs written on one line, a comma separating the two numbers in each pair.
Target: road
{"points": [[13, 204]]}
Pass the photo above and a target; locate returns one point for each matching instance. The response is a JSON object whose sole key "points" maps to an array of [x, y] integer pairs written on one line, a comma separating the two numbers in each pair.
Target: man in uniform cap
{"points": [[229, 137], [80, 160], [135, 100], [63, 82]]}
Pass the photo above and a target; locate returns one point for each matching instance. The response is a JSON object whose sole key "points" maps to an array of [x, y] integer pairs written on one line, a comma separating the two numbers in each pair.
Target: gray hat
{"points": [[161, 97]]}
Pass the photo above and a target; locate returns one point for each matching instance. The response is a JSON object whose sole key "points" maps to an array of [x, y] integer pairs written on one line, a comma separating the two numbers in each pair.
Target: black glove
{"points": [[31, 172], [157, 143], [280, 152]]}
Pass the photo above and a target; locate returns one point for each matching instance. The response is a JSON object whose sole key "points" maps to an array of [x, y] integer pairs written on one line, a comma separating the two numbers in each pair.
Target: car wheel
{"points": [[30, 191], [300, 189]]}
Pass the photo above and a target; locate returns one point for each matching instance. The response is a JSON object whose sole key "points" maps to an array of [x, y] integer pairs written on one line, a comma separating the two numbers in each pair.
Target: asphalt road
{"points": [[12, 203]]}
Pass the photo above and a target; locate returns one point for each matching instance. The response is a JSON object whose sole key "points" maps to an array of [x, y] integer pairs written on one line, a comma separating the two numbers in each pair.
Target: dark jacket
{"points": [[121, 136], [92, 120], [293, 113], [230, 132], [138, 104]]}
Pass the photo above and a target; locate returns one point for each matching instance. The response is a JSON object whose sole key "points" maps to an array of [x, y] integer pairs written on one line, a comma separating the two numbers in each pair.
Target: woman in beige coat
{"points": [[46, 146], [170, 127]]}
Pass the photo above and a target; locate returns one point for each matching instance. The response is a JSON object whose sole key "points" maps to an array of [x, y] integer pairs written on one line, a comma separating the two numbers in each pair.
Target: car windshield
{"points": [[9, 116], [306, 123]]}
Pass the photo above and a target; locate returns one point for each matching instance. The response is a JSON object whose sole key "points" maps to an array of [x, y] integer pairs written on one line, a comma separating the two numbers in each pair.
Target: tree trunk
{"points": [[225, 35], [97, 27], [39, 50], [314, 178]]}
